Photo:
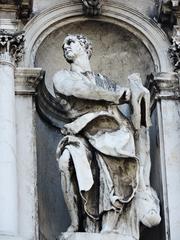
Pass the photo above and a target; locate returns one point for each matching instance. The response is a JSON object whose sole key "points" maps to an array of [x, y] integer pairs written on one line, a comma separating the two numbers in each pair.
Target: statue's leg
{"points": [[109, 221], [69, 193]]}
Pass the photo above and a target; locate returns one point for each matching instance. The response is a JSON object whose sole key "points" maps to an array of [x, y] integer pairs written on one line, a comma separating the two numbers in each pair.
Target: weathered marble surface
{"points": [[94, 236], [170, 110], [104, 163], [8, 174]]}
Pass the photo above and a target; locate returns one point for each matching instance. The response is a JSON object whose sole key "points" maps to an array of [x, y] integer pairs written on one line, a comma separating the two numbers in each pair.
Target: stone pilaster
{"points": [[166, 94], [26, 81], [11, 46]]}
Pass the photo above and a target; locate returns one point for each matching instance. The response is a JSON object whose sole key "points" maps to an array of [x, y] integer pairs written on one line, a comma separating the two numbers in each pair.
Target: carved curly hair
{"points": [[85, 43]]}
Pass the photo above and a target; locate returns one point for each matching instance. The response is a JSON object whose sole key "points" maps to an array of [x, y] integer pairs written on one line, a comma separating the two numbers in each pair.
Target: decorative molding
{"points": [[164, 85], [11, 46], [27, 80], [10, 25], [92, 7], [23, 8]]}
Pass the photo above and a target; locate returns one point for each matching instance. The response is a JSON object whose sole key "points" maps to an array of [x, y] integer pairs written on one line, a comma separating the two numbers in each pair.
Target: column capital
{"points": [[11, 46], [167, 83], [164, 85]]}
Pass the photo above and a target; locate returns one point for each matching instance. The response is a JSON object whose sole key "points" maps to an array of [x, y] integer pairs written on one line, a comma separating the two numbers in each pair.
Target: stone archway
{"points": [[145, 29], [50, 20]]}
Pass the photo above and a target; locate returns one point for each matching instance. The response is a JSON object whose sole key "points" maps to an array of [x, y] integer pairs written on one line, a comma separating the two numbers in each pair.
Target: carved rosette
{"points": [[11, 46], [92, 7], [175, 3]]}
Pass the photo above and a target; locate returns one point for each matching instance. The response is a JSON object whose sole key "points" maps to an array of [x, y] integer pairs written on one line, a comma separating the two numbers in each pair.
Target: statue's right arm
{"points": [[85, 89]]}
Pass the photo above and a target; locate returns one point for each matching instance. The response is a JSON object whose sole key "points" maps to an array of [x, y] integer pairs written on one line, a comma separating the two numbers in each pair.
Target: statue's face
{"points": [[72, 48]]}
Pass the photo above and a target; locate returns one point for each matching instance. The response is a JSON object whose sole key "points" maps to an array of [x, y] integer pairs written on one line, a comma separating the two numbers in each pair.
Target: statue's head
{"points": [[76, 45]]}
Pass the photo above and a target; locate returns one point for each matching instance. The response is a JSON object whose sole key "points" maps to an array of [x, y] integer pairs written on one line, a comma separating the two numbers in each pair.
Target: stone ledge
{"points": [[3, 237], [94, 236]]}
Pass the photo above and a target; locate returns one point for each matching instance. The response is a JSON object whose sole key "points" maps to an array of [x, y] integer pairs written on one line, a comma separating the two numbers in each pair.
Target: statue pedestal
{"points": [[94, 236]]}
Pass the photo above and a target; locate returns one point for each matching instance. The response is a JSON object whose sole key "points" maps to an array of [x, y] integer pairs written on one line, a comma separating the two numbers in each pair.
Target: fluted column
{"points": [[10, 52]]}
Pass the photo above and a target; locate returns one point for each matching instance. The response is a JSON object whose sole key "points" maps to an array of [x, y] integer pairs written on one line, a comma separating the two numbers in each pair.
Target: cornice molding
{"points": [[164, 86], [27, 80]]}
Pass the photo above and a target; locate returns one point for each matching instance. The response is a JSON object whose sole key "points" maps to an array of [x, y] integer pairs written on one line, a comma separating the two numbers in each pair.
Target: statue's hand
{"points": [[67, 130], [127, 94], [135, 77]]}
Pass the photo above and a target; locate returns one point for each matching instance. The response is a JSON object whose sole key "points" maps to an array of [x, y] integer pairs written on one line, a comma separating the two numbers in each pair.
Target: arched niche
{"points": [[117, 53], [44, 35], [113, 12]]}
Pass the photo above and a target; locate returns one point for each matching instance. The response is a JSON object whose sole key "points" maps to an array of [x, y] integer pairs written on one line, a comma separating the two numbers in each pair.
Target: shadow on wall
{"points": [[53, 215]]}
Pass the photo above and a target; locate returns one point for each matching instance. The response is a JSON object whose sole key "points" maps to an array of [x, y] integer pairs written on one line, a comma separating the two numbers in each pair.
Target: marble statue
{"points": [[103, 157]]}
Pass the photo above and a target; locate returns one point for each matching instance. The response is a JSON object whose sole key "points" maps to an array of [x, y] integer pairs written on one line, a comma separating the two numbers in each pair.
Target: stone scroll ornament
{"points": [[103, 158], [92, 7]]}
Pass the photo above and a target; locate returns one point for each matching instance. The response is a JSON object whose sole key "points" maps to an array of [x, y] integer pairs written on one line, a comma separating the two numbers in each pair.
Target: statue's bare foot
{"points": [[72, 228], [106, 229]]}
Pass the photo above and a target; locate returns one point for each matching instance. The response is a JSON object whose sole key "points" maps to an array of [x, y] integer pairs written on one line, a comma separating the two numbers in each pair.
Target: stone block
{"points": [[94, 236]]}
